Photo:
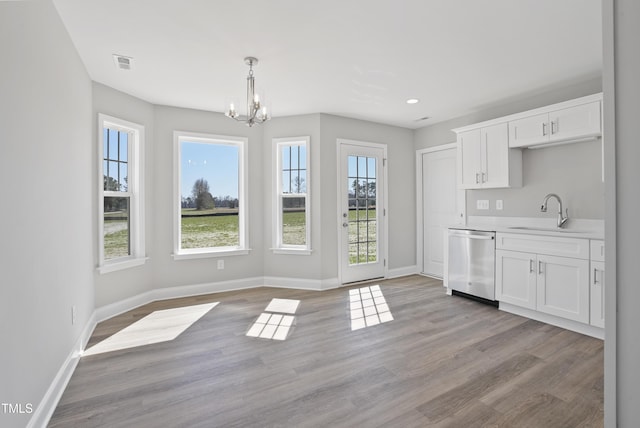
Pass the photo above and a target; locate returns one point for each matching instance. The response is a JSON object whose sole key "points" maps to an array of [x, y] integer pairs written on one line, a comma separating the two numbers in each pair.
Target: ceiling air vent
{"points": [[422, 118], [123, 62]]}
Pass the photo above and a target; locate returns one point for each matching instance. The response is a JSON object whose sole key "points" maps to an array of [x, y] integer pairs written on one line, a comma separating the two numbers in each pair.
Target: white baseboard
{"points": [[403, 271], [578, 327], [207, 288], [109, 311], [49, 402], [301, 284]]}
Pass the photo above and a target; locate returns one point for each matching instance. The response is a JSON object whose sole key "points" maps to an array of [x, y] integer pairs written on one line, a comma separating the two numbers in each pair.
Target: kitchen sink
{"points": [[548, 229]]}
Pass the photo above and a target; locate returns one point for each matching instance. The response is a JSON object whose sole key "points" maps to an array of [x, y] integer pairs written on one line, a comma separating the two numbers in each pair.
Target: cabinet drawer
{"points": [[597, 250], [555, 246]]}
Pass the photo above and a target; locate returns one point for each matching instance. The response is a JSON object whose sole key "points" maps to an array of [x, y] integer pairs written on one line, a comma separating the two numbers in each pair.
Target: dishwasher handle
{"points": [[471, 234]]}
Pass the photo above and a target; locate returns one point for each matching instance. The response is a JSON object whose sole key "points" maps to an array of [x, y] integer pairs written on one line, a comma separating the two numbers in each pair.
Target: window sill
{"points": [[120, 265], [209, 254], [293, 251]]}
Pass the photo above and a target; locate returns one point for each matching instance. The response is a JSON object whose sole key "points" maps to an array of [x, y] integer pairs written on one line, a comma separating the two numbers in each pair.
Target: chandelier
{"points": [[255, 114]]}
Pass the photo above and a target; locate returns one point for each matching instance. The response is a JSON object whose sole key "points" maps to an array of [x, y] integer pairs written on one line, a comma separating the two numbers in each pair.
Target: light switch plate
{"points": [[482, 204], [499, 204]]}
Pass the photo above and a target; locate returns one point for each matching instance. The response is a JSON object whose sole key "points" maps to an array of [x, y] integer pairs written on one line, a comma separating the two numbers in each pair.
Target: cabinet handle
{"points": [[595, 276], [531, 268], [539, 267], [554, 125], [483, 180], [477, 178], [544, 129]]}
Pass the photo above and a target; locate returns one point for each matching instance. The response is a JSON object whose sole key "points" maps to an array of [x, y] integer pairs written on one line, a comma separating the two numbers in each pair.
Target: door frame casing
{"points": [[420, 204], [385, 188]]}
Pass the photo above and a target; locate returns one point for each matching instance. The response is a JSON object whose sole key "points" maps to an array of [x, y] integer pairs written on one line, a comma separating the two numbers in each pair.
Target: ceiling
{"points": [[355, 58]]}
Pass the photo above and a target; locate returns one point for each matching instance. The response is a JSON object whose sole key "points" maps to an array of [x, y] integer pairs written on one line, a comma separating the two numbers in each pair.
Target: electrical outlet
{"points": [[73, 315], [482, 204], [499, 204], [220, 264]]}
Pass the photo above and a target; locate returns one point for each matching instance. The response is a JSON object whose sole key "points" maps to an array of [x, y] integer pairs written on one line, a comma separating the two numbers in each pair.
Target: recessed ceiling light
{"points": [[413, 101]]}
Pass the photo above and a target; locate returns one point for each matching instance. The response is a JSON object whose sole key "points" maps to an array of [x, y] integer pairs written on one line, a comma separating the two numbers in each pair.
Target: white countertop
{"points": [[576, 228]]}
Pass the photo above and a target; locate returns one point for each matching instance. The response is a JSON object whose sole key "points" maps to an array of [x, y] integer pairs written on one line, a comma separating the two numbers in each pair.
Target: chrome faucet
{"points": [[561, 220]]}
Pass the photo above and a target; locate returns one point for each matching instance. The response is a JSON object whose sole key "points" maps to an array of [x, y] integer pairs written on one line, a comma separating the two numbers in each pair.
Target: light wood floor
{"points": [[443, 362]]}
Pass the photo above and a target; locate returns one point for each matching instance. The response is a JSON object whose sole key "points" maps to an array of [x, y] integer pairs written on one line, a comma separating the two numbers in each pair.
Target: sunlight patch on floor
{"points": [[275, 326], [159, 326], [368, 307]]}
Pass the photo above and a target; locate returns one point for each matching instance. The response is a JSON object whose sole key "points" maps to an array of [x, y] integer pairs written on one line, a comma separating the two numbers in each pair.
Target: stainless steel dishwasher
{"points": [[471, 264]]}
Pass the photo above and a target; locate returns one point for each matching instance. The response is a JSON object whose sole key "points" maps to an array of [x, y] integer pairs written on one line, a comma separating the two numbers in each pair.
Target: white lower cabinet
{"points": [[597, 283], [549, 275], [597, 294], [516, 278], [563, 287], [555, 285]]}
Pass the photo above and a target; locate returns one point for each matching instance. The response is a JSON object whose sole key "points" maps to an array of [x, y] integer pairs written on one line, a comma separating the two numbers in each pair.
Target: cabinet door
{"points": [[563, 287], [575, 122], [516, 278], [495, 156], [597, 294], [469, 160], [529, 130]]}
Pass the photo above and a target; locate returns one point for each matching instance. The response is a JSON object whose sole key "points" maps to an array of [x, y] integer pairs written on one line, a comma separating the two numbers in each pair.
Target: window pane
{"points": [[303, 156], [124, 177], [294, 228], [112, 177], [371, 167], [209, 188], [116, 228], [294, 157], [352, 166], [286, 182], [124, 146], [301, 183], [286, 157], [113, 144], [362, 166]]}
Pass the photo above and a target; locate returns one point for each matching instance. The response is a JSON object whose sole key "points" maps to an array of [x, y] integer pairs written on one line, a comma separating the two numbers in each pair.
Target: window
{"points": [[292, 231], [120, 204], [210, 201]]}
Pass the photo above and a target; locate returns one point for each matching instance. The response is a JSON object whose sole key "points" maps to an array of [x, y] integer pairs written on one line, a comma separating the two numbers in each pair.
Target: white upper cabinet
{"points": [[560, 125], [485, 160]]}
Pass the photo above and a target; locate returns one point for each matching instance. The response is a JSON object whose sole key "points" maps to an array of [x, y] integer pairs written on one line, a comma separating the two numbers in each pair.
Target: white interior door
{"points": [[362, 211], [442, 206]]}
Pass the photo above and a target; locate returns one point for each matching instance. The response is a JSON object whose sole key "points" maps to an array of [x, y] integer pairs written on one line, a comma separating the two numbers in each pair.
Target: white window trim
{"points": [[243, 226], [136, 194], [278, 246]]}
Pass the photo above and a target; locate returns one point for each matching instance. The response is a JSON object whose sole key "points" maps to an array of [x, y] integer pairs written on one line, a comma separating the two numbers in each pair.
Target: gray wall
{"points": [[573, 171], [119, 285], [401, 183], [168, 272], [622, 92], [287, 265], [46, 159]]}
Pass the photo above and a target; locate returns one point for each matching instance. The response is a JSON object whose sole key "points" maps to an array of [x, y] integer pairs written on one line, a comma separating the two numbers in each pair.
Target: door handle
{"points": [[345, 224]]}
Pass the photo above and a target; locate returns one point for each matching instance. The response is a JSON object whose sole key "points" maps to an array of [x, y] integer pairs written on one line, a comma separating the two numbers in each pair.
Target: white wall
{"points": [[119, 285], [46, 161], [573, 171], [622, 92], [401, 183], [168, 272], [293, 266]]}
